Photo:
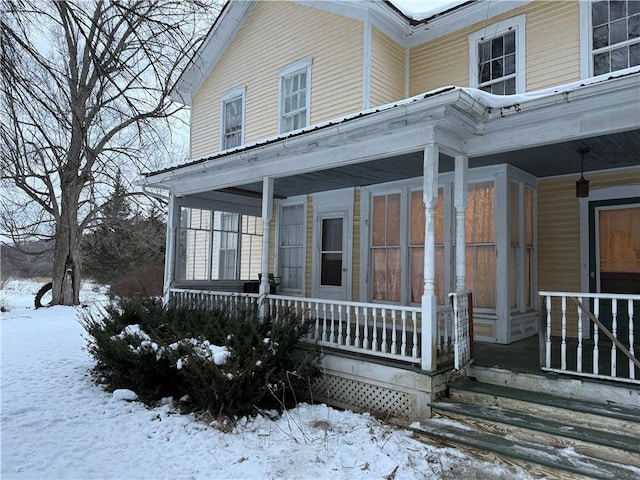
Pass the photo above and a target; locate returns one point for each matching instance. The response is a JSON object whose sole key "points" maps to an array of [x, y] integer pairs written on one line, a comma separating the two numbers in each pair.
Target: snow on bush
{"points": [[225, 360]]}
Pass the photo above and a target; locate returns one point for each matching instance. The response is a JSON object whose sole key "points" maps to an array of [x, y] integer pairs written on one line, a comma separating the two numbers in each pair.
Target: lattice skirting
{"points": [[360, 396]]}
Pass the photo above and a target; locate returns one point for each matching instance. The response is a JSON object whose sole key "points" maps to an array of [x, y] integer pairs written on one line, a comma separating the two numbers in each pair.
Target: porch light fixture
{"points": [[582, 185]]}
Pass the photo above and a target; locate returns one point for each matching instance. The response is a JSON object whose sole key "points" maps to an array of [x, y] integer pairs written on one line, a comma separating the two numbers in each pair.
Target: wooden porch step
{"points": [[544, 433], [537, 459], [606, 416], [606, 445]]}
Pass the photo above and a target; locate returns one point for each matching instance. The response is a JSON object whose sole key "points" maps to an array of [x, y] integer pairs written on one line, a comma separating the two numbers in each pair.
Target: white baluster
{"points": [[394, 346], [383, 346], [579, 352], [414, 351], [324, 322], [340, 315], [317, 314], [365, 340], [403, 344], [548, 339], [614, 331], [632, 369], [563, 345], [332, 334], [357, 344], [348, 340], [596, 340], [374, 342]]}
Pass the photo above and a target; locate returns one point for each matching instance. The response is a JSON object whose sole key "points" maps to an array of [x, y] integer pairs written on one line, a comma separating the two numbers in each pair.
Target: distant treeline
{"points": [[15, 263]]}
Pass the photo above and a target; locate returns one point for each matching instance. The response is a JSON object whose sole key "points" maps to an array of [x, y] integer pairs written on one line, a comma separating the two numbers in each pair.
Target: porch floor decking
{"points": [[520, 356], [524, 356]]}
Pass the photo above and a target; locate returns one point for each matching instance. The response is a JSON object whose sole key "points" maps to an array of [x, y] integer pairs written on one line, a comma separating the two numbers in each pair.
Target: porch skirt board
{"points": [[393, 393]]}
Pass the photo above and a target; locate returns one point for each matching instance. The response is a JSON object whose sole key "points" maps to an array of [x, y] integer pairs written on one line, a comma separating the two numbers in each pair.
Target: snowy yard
{"points": [[57, 423]]}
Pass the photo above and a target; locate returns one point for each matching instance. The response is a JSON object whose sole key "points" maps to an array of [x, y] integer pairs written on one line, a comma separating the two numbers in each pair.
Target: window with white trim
{"points": [[216, 245], [497, 57], [295, 96], [232, 124], [615, 35], [291, 246]]}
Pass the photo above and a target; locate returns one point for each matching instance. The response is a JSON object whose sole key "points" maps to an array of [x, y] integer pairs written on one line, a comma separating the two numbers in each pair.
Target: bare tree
{"points": [[84, 94]]}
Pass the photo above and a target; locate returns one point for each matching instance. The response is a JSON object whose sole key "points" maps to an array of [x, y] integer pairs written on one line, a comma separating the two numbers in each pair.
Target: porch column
{"points": [[460, 202], [429, 301], [267, 210], [173, 219]]}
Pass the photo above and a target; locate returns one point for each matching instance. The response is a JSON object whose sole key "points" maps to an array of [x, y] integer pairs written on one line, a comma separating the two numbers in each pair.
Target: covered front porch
{"points": [[365, 224]]}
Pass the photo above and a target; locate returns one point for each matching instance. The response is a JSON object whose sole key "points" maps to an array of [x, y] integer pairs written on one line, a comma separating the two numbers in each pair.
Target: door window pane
{"points": [[331, 255], [619, 250]]}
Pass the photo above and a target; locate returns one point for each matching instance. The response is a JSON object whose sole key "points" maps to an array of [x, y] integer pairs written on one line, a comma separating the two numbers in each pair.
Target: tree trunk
{"points": [[66, 258]]}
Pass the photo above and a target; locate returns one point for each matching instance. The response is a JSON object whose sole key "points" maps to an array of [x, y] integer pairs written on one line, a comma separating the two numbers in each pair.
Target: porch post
{"points": [[460, 202], [429, 301], [173, 219], [267, 208]]}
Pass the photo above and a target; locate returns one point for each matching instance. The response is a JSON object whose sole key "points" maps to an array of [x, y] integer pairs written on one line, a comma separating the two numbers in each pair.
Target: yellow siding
{"points": [[552, 42], [275, 35], [387, 69]]}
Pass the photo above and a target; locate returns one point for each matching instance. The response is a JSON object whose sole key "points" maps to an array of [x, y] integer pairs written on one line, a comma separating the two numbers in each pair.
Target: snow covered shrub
{"points": [[126, 344], [227, 360]]}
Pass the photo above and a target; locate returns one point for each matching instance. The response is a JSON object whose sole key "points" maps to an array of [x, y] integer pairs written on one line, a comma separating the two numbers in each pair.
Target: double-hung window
{"points": [[291, 246], [295, 95], [615, 35], [232, 124], [497, 57]]}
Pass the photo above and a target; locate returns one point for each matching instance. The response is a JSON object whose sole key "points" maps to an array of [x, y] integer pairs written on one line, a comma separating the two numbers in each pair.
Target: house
{"points": [[368, 167]]}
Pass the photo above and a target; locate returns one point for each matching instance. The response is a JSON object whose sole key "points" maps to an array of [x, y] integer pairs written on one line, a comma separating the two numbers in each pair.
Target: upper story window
{"points": [[295, 95], [232, 122], [615, 28], [497, 57]]}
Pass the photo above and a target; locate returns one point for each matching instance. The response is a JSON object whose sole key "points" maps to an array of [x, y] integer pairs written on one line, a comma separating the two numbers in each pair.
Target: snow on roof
{"points": [[422, 9]]}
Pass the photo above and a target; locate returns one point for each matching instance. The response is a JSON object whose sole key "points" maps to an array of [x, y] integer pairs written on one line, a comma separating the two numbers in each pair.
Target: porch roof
{"points": [[531, 131]]}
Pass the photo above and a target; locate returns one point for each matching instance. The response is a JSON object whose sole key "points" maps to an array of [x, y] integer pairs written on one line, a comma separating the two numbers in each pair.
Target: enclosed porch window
{"points": [[392, 253], [216, 245]]}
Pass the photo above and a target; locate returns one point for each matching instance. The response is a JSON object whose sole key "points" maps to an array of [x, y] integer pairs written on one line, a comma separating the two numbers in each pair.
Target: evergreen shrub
{"points": [[229, 361]]}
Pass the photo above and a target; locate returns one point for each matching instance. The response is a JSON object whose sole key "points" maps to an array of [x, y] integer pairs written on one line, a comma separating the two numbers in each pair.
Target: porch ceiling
{"points": [[617, 150]]}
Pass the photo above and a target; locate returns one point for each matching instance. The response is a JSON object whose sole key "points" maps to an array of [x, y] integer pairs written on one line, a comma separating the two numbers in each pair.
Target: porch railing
{"points": [[592, 335], [385, 331], [208, 299]]}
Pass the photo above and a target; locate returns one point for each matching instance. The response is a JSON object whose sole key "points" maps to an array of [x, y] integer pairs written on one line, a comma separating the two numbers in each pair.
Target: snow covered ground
{"points": [[56, 423]]}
